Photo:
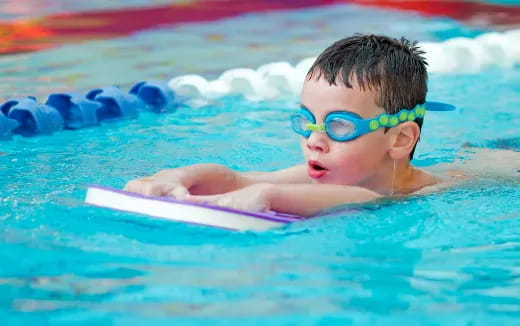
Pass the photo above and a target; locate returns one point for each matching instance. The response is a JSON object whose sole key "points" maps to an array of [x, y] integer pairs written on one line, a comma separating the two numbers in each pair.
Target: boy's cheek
{"points": [[353, 163]]}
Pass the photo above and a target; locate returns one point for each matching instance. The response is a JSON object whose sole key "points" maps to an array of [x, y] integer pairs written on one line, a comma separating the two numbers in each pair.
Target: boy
{"points": [[353, 150]]}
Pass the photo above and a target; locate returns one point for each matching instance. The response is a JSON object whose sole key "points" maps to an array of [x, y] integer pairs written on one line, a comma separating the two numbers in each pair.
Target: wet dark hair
{"points": [[396, 68]]}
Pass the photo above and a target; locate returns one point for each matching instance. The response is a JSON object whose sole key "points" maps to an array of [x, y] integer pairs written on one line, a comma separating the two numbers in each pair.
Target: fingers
{"points": [[216, 200], [150, 186], [242, 200], [224, 200], [133, 185], [179, 192], [201, 199]]}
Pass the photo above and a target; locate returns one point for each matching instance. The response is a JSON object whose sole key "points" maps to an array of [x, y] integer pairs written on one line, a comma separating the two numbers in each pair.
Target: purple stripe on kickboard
{"points": [[270, 216]]}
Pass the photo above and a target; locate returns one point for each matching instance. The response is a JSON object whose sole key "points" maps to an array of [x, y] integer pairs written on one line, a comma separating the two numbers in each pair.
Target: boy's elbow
{"points": [[360, 195], [372, 195], [325, 202]]}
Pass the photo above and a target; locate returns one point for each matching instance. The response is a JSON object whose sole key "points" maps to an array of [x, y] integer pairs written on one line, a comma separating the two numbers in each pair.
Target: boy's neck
{"points": [[405, 179], [409, 179]]}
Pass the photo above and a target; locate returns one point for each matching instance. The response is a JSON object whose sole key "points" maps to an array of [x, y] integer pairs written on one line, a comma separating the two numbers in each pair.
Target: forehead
{"points": [[321, 98]]}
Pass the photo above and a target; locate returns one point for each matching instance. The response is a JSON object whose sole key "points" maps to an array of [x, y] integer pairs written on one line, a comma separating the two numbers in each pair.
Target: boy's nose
{"points": [[318, 141]]}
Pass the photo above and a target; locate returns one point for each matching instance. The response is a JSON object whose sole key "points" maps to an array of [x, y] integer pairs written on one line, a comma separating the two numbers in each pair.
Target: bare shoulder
{"points": [[482, 162], [475, 163], [499, 162]]}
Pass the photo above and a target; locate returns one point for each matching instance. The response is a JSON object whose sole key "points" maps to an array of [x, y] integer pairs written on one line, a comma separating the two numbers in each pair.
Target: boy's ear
{"points": [[404, 138]]}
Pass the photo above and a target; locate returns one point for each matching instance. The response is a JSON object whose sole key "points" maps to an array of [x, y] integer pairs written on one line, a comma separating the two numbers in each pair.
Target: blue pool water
{"points": [[449, 258]]}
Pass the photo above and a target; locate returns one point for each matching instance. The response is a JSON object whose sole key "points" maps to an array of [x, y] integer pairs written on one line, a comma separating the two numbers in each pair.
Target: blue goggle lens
{"points": [[337, 128], [340, 129], [299, 124]]}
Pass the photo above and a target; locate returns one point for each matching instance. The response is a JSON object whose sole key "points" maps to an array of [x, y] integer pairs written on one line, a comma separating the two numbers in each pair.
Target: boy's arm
{"points": [[297, 199], [307, 200], [209, 179]]}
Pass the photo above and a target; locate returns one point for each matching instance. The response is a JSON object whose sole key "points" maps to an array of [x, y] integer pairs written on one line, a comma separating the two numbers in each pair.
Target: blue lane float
{"points": [[115, 104], [33, 118], [28, 117], [157, 96], [7, 126], [77, 110]]}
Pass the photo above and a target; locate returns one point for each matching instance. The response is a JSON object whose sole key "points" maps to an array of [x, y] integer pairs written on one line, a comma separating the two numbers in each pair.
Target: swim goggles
{"points": [[344, 126]]}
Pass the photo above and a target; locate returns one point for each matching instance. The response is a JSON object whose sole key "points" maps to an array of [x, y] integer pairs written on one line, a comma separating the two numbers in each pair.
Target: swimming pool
{"points": [[449, 258]]}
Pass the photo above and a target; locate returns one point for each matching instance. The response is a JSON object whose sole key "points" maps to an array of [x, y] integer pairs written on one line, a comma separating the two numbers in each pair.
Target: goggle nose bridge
{"points": [[315, 127]]}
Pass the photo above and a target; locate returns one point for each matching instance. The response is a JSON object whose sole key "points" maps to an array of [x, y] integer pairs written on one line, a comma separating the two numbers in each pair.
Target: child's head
{"points": [[366, 76]]}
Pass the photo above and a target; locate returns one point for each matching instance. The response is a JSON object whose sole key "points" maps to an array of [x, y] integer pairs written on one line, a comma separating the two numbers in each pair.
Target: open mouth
{"points": [[316, 169]]}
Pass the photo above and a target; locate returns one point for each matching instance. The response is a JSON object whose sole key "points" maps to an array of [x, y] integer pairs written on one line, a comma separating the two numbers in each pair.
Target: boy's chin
{"points": [[328, 179], [322, 180]]}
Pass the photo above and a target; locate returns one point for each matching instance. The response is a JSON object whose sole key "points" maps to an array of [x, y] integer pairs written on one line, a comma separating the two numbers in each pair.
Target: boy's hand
{"points": [[253, 198], [209, 179], [163, 183]]}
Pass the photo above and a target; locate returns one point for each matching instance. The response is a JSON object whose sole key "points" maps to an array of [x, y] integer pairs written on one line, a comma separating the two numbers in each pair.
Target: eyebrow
{"points": [[338, 110]]}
